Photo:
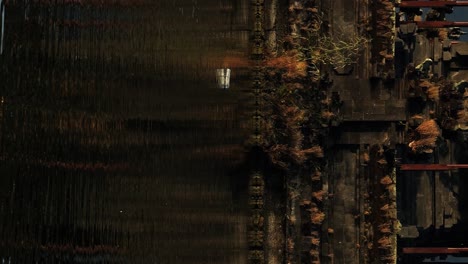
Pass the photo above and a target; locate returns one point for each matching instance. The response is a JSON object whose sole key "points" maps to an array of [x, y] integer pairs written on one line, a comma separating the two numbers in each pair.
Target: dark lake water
{"points": [[116, 144]]}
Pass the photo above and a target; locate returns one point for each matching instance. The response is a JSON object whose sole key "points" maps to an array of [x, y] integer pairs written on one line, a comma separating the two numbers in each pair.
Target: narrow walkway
{"points": [[344, 207]]}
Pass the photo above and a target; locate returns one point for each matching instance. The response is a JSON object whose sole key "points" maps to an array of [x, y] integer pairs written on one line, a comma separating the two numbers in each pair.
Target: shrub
{"points": [[316, 176], [384, 242], [319, 195], [385, 228], [315, 151], [317, 218], [386, 180], [428, 128], [425, 137], [315, 241]]}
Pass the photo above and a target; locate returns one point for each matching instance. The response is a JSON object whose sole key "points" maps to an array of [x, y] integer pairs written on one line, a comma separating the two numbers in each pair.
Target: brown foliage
{"points": [[425, 84], [290, 64], [305, 202], [418, 117], [386, 55], [365, 157], [385, 207], [314, 253], [277, 153], [293, 114], [327, 115], [423, 145], [428, 128], [318, 195], [297, 155], [386, 180], [317, 218], [315, 151], [316, 176], [315, 241], [384, 242], [382, 161], [296, 6], [433, 93], [385, 228], [392, 189], [431, 89], [426, 137], [295, 141]]}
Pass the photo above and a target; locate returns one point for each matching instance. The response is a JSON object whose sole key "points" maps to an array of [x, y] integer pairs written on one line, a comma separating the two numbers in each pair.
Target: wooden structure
{"points": [[434, 250], [436, 24], [434, 4], [432, 167]]}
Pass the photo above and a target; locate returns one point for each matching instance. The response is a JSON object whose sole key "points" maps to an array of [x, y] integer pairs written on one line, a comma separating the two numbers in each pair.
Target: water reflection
{"points": [[116, 145]]}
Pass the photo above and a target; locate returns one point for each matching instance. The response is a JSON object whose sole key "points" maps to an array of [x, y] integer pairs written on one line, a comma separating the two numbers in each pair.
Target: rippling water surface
{"points": [[116, 145]]}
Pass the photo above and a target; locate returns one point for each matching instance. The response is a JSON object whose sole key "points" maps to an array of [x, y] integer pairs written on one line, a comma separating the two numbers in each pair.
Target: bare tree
{"points": [[340, 49]]}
